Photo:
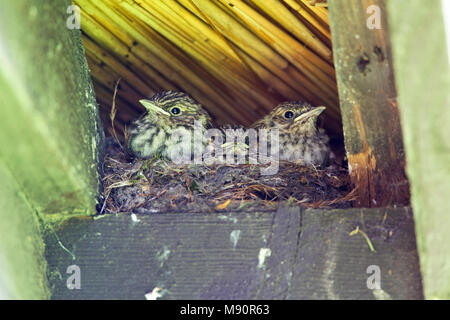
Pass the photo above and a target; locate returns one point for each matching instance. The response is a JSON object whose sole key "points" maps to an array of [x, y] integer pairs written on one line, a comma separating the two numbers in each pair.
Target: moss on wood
{"points": [[49, 128]]}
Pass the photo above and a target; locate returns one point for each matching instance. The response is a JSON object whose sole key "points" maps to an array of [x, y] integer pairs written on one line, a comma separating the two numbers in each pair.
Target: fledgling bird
{"points": [[167, 112], [299, 138]]}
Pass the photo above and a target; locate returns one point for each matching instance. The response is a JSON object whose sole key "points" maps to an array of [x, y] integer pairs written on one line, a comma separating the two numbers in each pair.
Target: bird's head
{"points": [[295, 117], [165, 112], [174, 109]]}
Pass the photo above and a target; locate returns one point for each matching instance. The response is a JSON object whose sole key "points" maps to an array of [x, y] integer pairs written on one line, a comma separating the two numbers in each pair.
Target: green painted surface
{"points": [[423, 85], [292, 253], [50, 137], [49, 128], [22, 262]]}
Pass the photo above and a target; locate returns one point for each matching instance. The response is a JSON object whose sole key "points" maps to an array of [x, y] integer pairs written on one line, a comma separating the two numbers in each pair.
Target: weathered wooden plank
{"points": [[367, 93], [331, 264], [50, 135], [423, 81], [22, 262], [288, 254]]}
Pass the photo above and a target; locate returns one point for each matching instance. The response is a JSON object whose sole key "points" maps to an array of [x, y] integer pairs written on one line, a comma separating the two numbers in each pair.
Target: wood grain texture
{"points": [[288, 254], [368, 102]]}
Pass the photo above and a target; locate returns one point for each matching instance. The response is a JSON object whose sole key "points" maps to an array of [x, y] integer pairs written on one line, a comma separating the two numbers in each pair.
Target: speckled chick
{"points": [[167, 112], [299, 138]]}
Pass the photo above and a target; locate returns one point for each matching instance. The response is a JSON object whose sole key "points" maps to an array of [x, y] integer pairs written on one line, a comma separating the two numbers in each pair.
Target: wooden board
{"points": [[372, 132], [23, 265], [288, 254], [50, 137], [423, 80], [50, 132]]}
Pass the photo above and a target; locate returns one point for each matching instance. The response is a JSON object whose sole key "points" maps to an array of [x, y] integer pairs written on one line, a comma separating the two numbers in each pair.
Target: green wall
{"points": [[50, 137], [49, 128], [22, 263], [423, 85]]}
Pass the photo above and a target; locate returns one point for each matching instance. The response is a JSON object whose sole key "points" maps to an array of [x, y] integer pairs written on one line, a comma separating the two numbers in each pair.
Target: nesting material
{"points": [[160, 186]]}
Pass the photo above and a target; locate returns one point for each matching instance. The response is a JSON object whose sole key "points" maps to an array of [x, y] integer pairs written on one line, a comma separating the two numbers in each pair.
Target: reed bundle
{"points": [[239, 58]]}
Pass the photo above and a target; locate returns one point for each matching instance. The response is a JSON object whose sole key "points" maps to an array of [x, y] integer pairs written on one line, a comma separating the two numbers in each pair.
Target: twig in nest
{"points": [[125, 134], [224, 205], [351, 196], [104, 202], [112, 115]]}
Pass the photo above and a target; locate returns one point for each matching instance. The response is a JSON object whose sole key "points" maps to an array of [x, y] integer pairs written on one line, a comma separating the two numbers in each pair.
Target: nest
{"points": [[160, 186]]}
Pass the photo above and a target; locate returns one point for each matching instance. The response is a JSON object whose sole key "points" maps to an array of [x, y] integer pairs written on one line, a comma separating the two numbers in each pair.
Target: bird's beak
{"points": [[312, 113], [151, 107]]}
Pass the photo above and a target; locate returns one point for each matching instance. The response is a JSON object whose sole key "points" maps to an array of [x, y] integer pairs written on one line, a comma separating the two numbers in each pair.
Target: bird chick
{"points": [[167, 112], [299, 138]]}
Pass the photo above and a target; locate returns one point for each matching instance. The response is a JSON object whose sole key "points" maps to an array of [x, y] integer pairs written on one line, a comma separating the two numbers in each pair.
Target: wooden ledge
{"points": [[288, 254]]}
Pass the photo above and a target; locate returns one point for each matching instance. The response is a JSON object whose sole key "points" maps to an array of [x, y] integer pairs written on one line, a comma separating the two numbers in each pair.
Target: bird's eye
{"points": [[175, 111], [289, 115]]}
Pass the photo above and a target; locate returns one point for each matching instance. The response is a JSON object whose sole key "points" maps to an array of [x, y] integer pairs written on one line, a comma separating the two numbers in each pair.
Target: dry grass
{"points": [[158, 185]]}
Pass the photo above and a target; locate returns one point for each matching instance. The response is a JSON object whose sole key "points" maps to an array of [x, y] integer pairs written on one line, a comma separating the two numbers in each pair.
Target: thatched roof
{"points": [[238, 58]]}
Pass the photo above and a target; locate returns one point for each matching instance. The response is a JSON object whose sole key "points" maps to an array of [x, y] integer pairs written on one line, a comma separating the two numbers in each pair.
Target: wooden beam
{"points": [[50, 137], [368, 99], [423, 80], [50, 133], [23, 265], [288, 254]]}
